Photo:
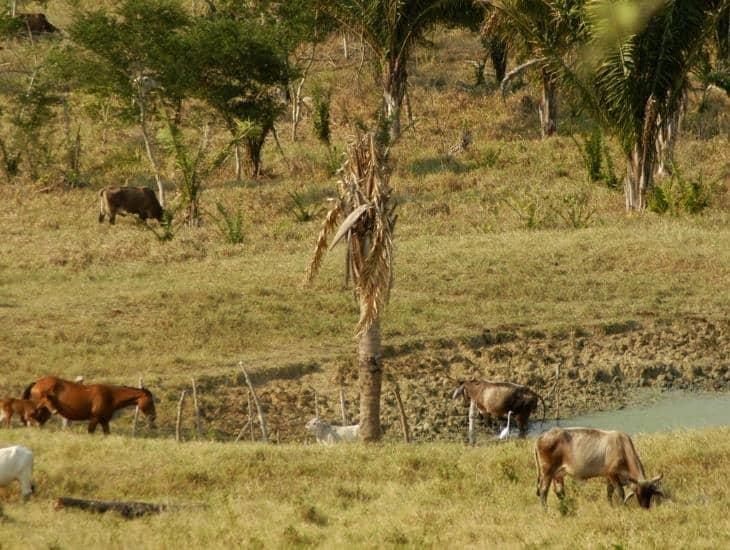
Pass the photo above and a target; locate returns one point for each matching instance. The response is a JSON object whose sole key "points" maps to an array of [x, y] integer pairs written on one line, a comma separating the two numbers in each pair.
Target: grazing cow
{"points": [[585, 453], [17, 463], [29, 412], [133, 200], [499, 398], [37, 23], [327, 434]]}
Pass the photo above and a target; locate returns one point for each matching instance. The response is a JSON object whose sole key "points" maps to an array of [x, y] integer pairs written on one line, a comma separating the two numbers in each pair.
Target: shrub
{"points": [[230, 224], [679, 195]]}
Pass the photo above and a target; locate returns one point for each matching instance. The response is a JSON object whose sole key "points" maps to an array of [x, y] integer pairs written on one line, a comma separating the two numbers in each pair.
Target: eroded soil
{"points": [[600, 369]]}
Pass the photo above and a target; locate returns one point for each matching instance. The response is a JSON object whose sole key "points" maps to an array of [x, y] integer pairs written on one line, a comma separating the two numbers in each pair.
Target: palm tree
{"points": [[390, 28], [634, 71], [544, 29], [365, 210]]}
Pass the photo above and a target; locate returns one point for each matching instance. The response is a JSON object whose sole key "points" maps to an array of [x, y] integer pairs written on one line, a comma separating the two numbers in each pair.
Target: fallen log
{"points": [[128, 510]]}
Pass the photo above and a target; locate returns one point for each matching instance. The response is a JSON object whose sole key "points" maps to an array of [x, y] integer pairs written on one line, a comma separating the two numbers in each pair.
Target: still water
{"points": [[670, 412]]}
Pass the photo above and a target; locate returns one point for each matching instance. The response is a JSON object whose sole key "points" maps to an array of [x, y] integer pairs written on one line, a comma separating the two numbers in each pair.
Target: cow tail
{"points": [[537, 467], [26, 393]]}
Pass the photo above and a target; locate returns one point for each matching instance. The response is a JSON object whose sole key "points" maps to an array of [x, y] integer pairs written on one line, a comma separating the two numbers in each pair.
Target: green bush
{"points": [[679, 195]]}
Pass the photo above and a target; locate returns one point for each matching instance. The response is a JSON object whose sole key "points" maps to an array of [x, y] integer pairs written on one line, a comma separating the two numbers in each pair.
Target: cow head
{"points": [[644, 491], [314, 424]]}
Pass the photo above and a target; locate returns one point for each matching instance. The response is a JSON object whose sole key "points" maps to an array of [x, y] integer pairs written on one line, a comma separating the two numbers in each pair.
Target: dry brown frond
{"points": [[328, 226]]}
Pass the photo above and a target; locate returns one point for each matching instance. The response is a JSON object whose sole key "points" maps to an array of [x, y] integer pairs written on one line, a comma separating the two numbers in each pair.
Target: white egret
{"points": [[504, 434]]}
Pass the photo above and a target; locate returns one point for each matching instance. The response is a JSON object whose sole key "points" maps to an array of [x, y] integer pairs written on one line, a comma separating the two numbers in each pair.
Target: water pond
{"points": [[669, 412]]}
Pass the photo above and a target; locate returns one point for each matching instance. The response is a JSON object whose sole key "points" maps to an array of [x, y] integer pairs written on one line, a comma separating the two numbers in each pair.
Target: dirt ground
{"points": [[601, 369]]}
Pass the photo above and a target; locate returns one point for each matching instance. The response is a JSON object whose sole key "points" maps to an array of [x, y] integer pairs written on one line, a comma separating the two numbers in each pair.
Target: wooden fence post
{"points": [[472, 417], [179, 415], [136, 414], [250, 413], [402, 413], [197, 410], [342, 407], [259, 411]]}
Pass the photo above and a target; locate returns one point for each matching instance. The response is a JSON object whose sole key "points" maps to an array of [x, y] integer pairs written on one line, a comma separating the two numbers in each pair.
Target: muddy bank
{"points": [[600, 369]]}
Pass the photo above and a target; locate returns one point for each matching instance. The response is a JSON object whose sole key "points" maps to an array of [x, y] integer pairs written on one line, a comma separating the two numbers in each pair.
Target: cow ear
{"points": [[657, 479], [627, 497], [632, 480]]}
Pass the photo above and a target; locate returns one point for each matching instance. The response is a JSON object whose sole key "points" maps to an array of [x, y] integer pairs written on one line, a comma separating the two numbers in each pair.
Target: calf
{"points": [[17, 463], [29, 412], [327, 434], [133, 200], [499, 398], [585, 453]]}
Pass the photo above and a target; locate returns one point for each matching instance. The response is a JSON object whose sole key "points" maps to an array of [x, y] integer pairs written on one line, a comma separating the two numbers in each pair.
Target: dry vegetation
{"points": [[432, 495]]}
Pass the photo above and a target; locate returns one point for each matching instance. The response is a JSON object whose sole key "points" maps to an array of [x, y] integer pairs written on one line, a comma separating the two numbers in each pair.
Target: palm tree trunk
{"points": [[639, 172], [548, 106], [394, 89], [666, 139], [498, 56], [370, 376]]}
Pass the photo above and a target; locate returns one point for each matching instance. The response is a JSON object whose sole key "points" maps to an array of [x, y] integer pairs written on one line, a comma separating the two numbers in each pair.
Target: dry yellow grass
{"points": [[440, 495]]}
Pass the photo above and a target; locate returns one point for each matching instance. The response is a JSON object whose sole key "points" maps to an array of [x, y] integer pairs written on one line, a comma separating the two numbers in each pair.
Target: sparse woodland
{"points": [[359, 197]]}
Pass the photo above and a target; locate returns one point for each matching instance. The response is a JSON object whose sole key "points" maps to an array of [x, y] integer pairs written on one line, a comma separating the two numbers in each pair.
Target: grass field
{"points": [[508, 265], [386, 496]]}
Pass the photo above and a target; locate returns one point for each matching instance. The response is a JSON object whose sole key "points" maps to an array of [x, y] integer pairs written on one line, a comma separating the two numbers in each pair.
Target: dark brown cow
{"points": [[28, 411], [499, 398], [585, 453], [133, 200], [37, 23]]}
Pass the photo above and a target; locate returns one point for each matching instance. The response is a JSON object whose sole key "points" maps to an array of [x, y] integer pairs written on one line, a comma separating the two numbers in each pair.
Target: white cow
{"points": [[17, 463], [327, 434]]}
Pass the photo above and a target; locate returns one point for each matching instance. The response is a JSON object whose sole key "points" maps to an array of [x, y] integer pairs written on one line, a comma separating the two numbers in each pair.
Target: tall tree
{"points": [[544, 29], [634, 71], [365, 214], [391, 28]]}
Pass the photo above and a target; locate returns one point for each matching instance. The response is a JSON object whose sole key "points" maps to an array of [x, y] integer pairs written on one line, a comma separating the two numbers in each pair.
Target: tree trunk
{"points": [[370, 375], [666, 139], [639, 171], [148, 149], [548, 106], [498, 56], [394, 89]]}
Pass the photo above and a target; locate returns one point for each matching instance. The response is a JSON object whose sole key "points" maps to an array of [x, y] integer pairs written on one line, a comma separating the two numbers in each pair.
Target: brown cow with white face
{"points": [[585, 453], [499, 398], [133, 200]]}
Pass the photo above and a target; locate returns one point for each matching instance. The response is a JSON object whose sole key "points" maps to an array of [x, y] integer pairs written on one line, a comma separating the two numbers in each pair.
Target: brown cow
{"points": [[29, 412], [37, 23], [133, 200], [499, 398], [585, 453]]}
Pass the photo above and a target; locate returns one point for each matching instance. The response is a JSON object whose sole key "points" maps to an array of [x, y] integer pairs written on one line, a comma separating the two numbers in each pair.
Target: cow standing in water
{"points": [[498, 399], [585, 453], [131, 200]]}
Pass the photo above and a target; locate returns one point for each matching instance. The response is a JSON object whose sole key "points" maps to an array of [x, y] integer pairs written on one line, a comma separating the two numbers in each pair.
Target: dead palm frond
{"points": [[365, 214]]}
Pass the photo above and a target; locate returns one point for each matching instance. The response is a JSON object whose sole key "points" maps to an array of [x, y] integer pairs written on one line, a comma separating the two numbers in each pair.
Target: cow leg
{"points": [[92, 425], [105, 426], [544, 488], [101, 216], [522, 424], [112, 216], [620, 492], [609, 492], [559, 486]]}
